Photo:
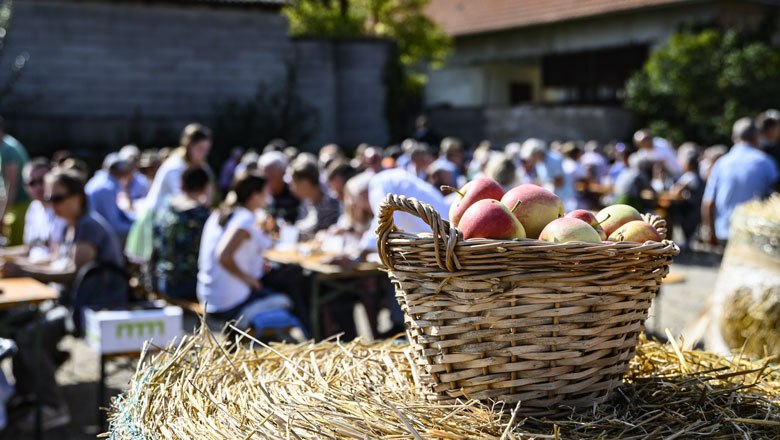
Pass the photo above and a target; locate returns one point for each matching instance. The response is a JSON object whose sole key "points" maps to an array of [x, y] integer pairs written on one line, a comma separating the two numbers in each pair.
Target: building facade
{"points": [[556, 68]]}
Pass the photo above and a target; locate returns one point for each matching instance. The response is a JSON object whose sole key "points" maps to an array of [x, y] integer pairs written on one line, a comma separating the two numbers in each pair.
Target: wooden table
{"points": [[15, 292], [18, 292], [337, 279]]}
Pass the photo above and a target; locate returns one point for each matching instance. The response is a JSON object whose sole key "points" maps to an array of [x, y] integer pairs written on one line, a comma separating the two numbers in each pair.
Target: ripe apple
{"points": [[478, 189], [636, 231], [488, 218], [614, 216], [590, 218], [534, 206], [567, 229]]}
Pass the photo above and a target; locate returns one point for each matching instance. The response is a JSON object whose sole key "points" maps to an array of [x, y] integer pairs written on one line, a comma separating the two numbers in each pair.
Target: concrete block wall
{"points": [[104, 73]]}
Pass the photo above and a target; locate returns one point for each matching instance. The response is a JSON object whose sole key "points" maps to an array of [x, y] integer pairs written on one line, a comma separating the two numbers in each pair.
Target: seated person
{"points": [[322, 210], [88, 238], [177, 232], [103, 191], [230, 261], [43, 230], [282, 204]]}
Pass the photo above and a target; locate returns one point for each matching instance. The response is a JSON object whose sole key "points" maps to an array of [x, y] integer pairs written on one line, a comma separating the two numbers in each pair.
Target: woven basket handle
{"points": [[659, 223], [443, 231]]}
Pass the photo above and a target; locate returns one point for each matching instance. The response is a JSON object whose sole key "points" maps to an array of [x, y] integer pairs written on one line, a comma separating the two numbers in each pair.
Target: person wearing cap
{"points": [[743, 174], [103, 193]]}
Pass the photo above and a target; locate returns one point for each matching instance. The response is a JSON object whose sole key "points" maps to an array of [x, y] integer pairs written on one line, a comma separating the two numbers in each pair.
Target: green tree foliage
{"points": [[419, 40], [697, 84]]}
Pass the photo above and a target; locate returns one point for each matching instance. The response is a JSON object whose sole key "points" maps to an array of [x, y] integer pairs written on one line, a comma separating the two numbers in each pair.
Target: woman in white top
{"points": [[230, 261], [195, 146]]}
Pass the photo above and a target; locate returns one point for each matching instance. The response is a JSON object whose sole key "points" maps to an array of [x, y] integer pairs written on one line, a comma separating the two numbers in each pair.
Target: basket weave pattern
{"points": [[550, 325]]}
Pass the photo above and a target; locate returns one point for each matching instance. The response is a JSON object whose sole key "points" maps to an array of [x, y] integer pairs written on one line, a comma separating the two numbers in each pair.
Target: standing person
{"points": [[769, 124], [425, 134], [193, 151], [322, 210], [230, 261], [13, 158], [177, 233], [690, 188], [573, 172], [743, 174]]}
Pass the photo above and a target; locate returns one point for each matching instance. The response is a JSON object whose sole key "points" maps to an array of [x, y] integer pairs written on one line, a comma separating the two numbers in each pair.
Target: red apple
{"points": [[489, 218], [636, 231], [534, 206], [614, 216], [590, 218], [568, 229], [478, 189]]}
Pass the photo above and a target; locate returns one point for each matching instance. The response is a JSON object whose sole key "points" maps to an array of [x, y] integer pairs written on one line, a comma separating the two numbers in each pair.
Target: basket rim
{"points": [[446, 238]]}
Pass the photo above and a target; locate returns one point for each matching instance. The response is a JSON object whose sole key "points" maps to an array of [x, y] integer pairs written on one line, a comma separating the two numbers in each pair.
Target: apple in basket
{"points": [[534, 206], [614, 216], [590, 218], [478, 189], [569, 229], [636, 231], [489, 218]]}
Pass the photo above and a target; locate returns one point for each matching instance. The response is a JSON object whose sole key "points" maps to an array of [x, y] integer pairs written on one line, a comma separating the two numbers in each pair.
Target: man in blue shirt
{"points": [[743, 174], [103, 190]]}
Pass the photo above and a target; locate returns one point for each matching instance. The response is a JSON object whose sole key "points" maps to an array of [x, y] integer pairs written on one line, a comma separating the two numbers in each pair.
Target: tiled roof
{"points": [[462, 17]]}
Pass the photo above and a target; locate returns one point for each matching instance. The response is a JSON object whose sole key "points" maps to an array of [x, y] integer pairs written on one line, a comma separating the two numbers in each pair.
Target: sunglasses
{"points": [[35, 182], [57, 198]]}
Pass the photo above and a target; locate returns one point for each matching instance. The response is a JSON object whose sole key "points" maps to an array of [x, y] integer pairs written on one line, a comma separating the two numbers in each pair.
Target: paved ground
{"points": [[677, 306]]}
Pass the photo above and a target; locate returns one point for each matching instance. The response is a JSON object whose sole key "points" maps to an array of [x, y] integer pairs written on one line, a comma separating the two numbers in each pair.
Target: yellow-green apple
{"points": [[478, 189], [615, 216], [488, 218], [568, 229], [534, 206], [590, 218], [636, 231]]}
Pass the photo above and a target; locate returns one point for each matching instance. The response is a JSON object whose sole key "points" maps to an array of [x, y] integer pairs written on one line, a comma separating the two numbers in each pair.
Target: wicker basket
{"points": [[552, 326]]}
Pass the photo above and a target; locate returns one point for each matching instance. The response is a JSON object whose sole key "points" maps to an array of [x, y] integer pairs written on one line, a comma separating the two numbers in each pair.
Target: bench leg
{"points": [[101, 394]]}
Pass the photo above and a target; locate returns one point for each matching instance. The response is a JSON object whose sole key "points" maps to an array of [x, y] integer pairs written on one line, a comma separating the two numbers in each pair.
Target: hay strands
{"points": [[332, 390]]}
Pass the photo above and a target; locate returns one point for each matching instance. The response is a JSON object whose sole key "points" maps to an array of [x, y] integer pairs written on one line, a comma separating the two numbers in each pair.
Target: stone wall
{"points": [[101, 73]]}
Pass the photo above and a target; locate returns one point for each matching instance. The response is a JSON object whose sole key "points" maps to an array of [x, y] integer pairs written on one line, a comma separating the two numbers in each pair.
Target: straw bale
{"points": [[203, 389]]}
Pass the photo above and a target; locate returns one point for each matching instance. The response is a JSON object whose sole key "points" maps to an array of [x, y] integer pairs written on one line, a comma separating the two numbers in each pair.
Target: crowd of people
{"points": [[203, 234]]}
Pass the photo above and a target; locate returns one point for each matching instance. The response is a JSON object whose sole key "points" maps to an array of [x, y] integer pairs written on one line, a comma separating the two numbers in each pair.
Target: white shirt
{"points": [[219, 289], [662, 150], [166, 183], [42, 229], [401, 182]]}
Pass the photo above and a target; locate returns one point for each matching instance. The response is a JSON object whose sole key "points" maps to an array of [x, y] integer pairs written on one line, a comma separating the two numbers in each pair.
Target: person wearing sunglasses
{"points": [[88, 238], [42, 229]]}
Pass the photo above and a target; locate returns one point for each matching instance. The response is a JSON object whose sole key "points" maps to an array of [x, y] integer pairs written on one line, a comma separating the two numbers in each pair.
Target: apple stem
{"points": [[451, 189], [608, 216], [516, 205]]}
